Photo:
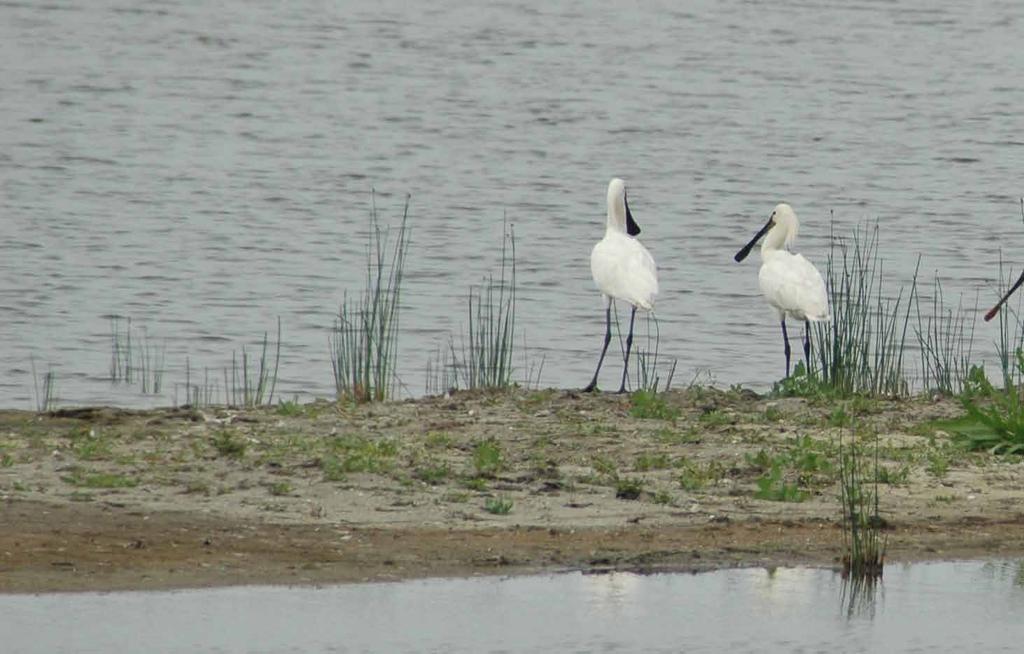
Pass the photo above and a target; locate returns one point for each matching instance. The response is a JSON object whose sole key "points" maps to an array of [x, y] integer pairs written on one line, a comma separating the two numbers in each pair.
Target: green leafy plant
{"points": [[994, 418]]}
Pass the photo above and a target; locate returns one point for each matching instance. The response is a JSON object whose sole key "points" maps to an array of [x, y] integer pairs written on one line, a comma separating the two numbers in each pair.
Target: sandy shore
{"points": [[477, 483]]}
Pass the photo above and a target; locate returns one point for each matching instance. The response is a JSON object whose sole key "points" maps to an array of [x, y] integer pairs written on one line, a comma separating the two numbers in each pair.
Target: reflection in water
{"points": [[943, 607], [1006, 569], [858, 594]]}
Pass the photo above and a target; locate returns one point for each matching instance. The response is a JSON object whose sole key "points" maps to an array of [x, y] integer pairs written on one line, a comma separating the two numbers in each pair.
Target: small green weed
{"points": [[694, 476], [438, 440], [498, 505], [664, 498], [353, 454], [487, 458], [773, 486], [433, 472], [672, 436], [229, 444], [197, 487], [629, 489], [604, 466], [938, 464], [893, 476], [799, 384], [838, 418], [475, 484], [280, 488], [99, 480], [289, 408], [714, 418], [648, 461], [650, 405], [91, 449]]}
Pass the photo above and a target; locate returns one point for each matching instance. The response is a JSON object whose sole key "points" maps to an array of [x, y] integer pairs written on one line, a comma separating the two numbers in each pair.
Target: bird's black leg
{"points": [[807, 345], [785, 340], [592, 386], [629, 344]]}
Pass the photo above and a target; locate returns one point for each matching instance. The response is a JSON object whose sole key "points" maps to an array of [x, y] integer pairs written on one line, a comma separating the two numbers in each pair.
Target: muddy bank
{"points": [[476, 483]]}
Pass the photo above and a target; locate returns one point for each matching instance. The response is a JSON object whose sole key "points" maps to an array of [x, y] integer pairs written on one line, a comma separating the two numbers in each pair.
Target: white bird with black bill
{"points": [[789, 282]]}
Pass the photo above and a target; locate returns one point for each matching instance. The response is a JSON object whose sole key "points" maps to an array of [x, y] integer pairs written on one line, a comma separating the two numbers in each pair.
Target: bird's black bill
{"points": [[631, 227], [994, 310], [742, 254]]}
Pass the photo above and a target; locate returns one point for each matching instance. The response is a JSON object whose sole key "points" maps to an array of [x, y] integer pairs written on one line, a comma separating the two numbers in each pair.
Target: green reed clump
{"points": [[863, 543], [651, 371], [1011, 336], [129, 364], [861, 350], [442, 373], [150, 365], [197, 394], [364, 339], [486, 357], [945, 344], [251, 382], [120, 350], [483, 359], [45, 389]]}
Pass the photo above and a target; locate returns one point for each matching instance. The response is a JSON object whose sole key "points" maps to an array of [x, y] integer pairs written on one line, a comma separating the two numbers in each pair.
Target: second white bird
{"points": [[789, 282]]}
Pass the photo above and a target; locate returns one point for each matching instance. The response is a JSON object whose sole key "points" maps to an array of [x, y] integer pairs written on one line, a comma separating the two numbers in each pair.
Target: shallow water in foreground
{"points": [[970, 606]]}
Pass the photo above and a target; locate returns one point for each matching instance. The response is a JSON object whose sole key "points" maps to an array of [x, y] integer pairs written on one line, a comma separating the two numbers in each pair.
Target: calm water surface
{"points": [[941, 607], [206, 167]]}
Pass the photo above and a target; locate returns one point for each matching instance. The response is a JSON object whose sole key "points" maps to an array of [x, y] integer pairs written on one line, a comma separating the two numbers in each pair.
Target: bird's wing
{"points": [[792, 284], [625, 269]]}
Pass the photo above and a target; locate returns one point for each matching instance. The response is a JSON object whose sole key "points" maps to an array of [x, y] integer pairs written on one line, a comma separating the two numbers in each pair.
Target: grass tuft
{"points": [[46, 390], [252, 383], [863, 544], [861, 350], [487, 357], [364, 339]]}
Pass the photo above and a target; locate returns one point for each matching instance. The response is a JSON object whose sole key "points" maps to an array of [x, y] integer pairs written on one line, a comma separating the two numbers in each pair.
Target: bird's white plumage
{"points": [[792, 285], [789, 282], [622, 267]]}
